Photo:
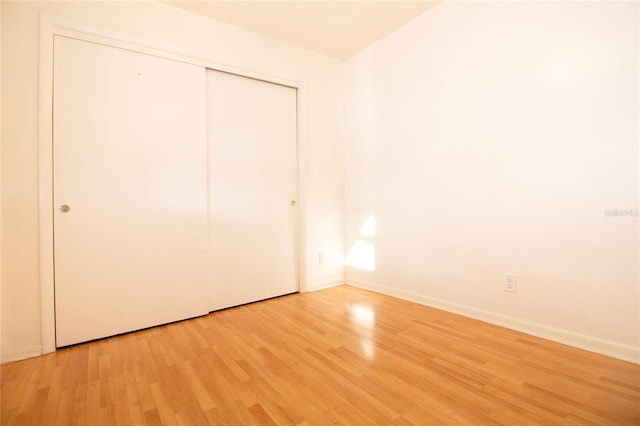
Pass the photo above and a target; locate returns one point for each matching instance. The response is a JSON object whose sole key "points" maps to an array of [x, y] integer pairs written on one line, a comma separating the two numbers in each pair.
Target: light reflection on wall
{"points": [[369, 226], [362, 254]]}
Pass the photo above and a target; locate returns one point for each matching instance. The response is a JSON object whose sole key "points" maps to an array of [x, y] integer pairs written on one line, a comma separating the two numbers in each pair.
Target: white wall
{"points": [[20, 296], [490, 137]]}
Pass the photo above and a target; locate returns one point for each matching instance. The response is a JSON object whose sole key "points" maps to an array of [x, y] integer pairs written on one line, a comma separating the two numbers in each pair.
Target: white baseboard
{"points": [[592, 344], [19, 354], [325, 284]]}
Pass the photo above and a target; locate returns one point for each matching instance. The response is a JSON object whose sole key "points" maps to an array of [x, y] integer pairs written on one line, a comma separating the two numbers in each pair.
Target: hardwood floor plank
{"points": [[152, 417], [336, 356]]}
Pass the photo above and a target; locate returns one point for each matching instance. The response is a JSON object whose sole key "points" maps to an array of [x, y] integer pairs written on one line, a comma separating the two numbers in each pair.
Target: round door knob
{"points": [[65, 208], [293, 203]]}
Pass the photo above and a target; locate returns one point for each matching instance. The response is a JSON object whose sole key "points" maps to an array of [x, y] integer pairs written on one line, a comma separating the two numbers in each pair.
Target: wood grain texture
{"points": [[336, 356]]}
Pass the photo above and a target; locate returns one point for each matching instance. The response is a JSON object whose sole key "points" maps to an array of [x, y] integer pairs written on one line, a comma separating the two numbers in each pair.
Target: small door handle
{"points": [[65, 208], [293, 203]]}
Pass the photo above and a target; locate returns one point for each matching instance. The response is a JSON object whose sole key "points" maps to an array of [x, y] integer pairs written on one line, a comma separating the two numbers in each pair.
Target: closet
{"points": [[252, 146], [169, 182]]}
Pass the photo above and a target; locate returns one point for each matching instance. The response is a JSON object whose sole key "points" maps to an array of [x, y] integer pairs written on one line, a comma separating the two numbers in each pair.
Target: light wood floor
{"points": [[338, 356]]}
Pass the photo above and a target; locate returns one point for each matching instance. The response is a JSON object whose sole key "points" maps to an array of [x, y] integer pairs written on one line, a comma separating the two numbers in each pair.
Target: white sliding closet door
{"points": [[252, 128], [130, 162]]}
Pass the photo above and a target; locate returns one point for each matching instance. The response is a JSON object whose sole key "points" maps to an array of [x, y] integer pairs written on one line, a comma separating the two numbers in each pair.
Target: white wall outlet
{"points": [[321, 257], [509, 282]]}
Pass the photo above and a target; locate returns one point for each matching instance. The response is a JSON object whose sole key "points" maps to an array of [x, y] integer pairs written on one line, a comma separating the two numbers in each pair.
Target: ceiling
{"points": [[333, 27]]}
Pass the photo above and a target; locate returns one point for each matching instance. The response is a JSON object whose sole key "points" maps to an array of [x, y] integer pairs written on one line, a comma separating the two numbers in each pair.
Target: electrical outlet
{"points": [[509, 283], [321, 257]]}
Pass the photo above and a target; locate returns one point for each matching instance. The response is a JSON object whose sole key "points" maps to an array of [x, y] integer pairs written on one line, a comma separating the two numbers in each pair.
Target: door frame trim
{"points": [[50, 26]]}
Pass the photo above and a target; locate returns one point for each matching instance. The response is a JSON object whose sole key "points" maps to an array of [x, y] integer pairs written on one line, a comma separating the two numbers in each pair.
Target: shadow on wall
{"points": [[362, 254]]}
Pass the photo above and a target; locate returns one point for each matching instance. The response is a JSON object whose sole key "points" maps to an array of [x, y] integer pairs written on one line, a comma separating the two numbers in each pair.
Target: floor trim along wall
{"points": [[324, 284], [20, 354], [604, 347]]}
